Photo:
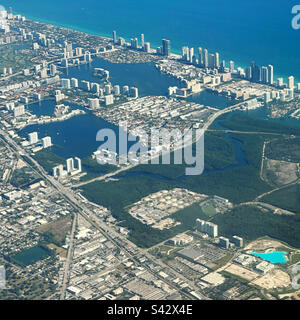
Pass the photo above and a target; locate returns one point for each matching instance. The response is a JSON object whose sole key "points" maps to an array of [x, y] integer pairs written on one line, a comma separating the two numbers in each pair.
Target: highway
{"points": [[88, 215], [205, 127]]}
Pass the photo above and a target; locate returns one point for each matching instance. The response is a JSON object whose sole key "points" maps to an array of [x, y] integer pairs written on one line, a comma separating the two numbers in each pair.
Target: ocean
{"points": [[241, 31]]}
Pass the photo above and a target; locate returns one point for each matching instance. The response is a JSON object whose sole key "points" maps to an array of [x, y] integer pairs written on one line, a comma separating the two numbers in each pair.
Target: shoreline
{"points": [[174, 51]]}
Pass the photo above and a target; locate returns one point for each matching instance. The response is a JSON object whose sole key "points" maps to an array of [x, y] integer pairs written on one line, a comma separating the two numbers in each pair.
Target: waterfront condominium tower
{"points": [[271, 74], [166, 47], [142, 41], [200, 56], [115, 36], [205, 62]]}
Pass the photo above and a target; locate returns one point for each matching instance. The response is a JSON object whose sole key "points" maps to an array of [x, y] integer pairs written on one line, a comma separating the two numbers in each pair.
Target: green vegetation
{"points": [[242, 122], [56, 231], [16, 59], [23, 176], [47, 159], [252, 223], [27, 285], [238, 184], [94, 169], [284, 149], [287, 198]]}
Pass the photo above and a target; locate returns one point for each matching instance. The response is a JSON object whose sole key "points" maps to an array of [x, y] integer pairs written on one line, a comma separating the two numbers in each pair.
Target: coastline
{"points": [[154, 44]]}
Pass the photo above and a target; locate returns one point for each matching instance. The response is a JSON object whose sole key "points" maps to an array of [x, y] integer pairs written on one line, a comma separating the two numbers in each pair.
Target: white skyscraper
{"points": [[70, 165], [74, 82], [134, 92], [46, 142], [65, 83], [53, 69], [19, 111], [291, 82], [271, 74], [94, 103], [77, 164], [109, 100], [33, 137], [142, 40]]}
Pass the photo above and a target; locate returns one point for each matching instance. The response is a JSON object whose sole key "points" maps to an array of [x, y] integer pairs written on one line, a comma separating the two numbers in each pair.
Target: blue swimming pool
{"points": [[273, 257]]}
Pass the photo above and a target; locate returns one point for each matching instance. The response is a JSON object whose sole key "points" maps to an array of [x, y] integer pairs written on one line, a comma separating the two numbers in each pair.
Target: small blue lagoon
{"points": [[273, 257]]}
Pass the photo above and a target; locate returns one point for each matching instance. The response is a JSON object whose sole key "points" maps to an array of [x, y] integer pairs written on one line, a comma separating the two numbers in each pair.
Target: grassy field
{"points": [[23, 176], [55, 232], [284, 149], [16, 59], [47, 159]]}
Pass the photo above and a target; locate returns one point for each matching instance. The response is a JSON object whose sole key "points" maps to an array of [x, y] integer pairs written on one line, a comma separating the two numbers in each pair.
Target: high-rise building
{"points": [[85, 85], [248, 73], [33, 137], [77, 164], [70, 165], [142, 41], [185, 53], [280, 82], [114, 36], [255, 72], [125, 89], [271, 74], [192, 56], [291, 82], [200, 56], [207, 227], [65, 83], [53, 70], [46, 142], [147, 47], [134, 92], [117, 90], [78, 51], [107, 89], [217, 60], [109, 99], [231, 66], [224, 242], [205, 58], [19, 111], [238, 241], [94, 103], [74, 82], [211, 61], [264, 74], [166, 47], [134, 43]]}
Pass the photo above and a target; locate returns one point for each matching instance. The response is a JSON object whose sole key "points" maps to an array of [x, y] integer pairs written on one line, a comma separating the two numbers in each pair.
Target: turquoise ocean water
{"points": [[239, 30]]}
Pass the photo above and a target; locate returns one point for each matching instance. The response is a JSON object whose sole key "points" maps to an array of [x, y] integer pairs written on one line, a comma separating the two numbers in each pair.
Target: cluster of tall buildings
{"points": [[33, 139], [164, 49], [207, 227], [202, 58], [261, 74], [73, 166], [18, 110]]}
